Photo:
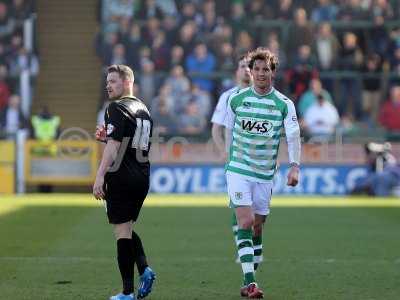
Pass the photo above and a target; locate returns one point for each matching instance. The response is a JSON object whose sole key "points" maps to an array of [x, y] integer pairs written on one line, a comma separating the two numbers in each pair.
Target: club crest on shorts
{"points": [[238, 195]]}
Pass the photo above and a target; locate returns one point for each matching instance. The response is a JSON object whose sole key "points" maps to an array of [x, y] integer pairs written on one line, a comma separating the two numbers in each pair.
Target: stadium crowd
{"points": [[14, 58], [333, 57]]}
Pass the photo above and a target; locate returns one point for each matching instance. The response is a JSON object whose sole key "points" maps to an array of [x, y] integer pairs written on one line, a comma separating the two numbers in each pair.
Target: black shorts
{"points": [[124, 199]]}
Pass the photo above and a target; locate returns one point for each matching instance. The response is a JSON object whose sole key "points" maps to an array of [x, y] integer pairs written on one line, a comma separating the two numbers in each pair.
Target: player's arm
{"points": [[114, 135], [229, 123], [292, 131], [217, 120], [109, 155], [217, 133]]}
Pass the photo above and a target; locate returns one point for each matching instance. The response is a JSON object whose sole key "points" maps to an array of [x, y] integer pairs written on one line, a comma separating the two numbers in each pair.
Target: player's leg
{"points": [[118, 215], [235, 226], [125, 258], [147, 276], [239, 191], [259, 221], [261, 203]]}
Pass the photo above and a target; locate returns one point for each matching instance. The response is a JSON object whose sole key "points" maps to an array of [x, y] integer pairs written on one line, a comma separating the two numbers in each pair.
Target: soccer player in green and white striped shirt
{"points": [[255, 118]]}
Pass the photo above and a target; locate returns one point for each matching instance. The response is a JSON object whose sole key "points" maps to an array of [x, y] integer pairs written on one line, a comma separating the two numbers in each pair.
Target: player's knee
{"points": [[123, 231]]}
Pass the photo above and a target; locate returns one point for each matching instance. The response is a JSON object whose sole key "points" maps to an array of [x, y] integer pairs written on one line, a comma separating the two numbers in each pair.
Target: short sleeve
{"points": [[229, 121], [115, 121], [218, 116]]}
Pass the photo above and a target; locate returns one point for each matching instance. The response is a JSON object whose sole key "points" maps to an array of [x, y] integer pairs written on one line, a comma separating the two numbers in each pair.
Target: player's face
{"points": [[115, 86], [243, 72], [262, 75]]}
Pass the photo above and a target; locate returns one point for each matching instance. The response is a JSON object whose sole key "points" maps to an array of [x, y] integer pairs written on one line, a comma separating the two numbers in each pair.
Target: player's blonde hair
{"points": [[124, 72]]}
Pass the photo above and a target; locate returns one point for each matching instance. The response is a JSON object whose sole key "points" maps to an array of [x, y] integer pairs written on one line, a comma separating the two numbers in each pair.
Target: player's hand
{"points": [[98, 191], [293, 176], [100, 134]]}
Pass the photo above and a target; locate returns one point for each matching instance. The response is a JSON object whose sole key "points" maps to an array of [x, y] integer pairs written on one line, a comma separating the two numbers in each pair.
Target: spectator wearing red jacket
{"points": [[390, 112]]}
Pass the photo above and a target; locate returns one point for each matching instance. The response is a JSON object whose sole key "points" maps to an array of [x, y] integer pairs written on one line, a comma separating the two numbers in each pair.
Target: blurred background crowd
{"points": [[339, 59]]}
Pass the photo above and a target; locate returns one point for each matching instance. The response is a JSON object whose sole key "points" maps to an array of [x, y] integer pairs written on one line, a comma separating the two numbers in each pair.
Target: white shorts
{"points": [[243, 192]]}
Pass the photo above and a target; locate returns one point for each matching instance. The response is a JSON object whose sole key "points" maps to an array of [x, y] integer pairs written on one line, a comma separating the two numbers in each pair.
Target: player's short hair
{"points": [[243, 56], [124, 72], [264, 54]]}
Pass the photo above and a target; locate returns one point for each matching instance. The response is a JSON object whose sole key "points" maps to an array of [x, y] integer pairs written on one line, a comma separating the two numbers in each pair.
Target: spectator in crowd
{"points": [[118, 56], [395, 61], [177, 56], [326, 11], [148, 82], [22, 61], [149, 9], [4, 88], [150, 30], [7, 22], [225, 57], [114, 10], [300, 33], [187, 37], [390, 111], [12, 118], [258, 10], [170, 27], [168, 7], [164, 121], [20, 11], [350, 59], [192, 122], [178, 82], [124, 30], [378, 41], [105, 50], [202, 99], [244, 42], [208, 21], [160, 51], [303, 71], [352, 10], [371, 93], [320, 120], [238, 19], [309, 98], [188, 13], [284, 10], [165, 98], [201, 61], [132, 44], [326, 47], [382, 8]]}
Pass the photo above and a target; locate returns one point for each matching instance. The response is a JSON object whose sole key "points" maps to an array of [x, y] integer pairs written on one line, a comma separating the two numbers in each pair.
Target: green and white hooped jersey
{"points": [[256, 122]]}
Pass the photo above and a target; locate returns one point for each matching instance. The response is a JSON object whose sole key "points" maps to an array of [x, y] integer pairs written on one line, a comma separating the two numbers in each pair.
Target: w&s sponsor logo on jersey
{"points": [[256, 126]]}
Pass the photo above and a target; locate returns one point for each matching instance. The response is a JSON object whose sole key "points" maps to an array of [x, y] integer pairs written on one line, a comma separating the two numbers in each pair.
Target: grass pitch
{"points": [[60, 247]]}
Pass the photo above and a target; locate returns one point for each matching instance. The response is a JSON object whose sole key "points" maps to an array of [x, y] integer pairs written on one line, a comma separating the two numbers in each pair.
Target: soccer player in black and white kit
{"points": [[123, 176]]}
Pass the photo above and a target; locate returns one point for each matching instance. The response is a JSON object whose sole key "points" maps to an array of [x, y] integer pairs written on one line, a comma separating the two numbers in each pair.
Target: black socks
{"points": [[126, 262], [139, 256]]}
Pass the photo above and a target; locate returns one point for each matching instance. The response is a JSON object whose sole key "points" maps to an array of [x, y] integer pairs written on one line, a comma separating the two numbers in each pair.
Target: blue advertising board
{"points": [[314, 179]]}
